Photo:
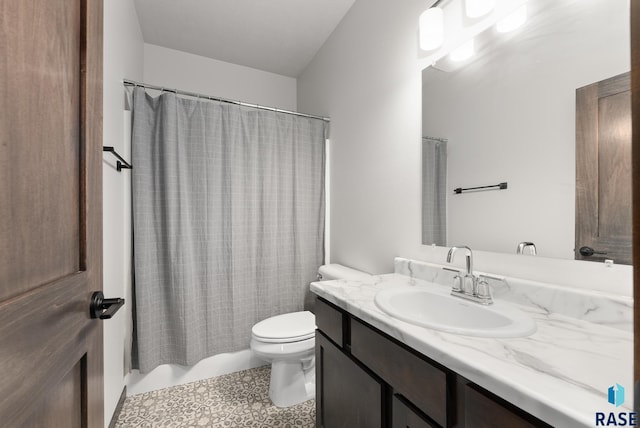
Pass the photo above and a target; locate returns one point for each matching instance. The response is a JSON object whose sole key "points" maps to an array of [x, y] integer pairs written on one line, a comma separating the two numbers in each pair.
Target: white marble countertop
{"points": [[560, 374]]}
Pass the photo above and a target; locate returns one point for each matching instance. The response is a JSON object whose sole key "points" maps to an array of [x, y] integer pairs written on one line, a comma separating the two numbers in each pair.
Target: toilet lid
{"points": [[290, 327]]}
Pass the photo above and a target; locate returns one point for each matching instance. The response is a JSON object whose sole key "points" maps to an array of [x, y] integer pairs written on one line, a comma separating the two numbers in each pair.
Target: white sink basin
{"points": [[437, 309]]}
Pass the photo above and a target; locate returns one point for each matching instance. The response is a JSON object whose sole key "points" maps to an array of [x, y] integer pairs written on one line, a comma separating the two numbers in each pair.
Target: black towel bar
{"points": [[121, 162], [499, 186]]}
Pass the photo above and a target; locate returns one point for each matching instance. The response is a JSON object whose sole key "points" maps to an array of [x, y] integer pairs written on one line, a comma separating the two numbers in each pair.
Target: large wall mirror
{"points": [[508, 115]]}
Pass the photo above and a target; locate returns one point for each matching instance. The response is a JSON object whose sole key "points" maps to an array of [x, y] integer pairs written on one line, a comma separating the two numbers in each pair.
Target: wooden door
{"points": [[635, 153], [603, 170], [50, 212]]}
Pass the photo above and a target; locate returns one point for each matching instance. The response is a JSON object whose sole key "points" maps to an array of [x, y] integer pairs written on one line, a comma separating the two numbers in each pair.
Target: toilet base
{"points": [[292, 382]]}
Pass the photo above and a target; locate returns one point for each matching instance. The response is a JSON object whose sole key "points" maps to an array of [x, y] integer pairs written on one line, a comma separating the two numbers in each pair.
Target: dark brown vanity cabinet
{"points": [[367, 379]]}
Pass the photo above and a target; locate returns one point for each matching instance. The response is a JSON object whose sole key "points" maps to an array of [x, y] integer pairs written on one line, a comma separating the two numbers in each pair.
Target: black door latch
{"points": [[104, 308], [588, 252]]}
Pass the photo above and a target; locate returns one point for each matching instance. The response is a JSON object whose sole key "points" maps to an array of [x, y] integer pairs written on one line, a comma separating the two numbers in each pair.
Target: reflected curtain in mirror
{"points": [[434, 185]]}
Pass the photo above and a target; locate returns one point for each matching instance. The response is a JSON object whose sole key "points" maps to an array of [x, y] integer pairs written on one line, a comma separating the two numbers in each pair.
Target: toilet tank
{"points": [[336, 271]]}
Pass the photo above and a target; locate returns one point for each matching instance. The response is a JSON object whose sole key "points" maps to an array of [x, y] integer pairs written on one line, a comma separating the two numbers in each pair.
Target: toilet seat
{"points": [[286, 328]]}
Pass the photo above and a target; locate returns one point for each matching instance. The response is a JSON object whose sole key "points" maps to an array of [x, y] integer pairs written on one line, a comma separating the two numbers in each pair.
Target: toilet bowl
{"points": [[287, 342]]}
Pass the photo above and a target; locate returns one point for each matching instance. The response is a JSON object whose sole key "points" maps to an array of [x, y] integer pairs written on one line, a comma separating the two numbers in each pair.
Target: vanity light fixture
{"points": [[431, 28], [512, 21], [463, 52], [478, 8]]}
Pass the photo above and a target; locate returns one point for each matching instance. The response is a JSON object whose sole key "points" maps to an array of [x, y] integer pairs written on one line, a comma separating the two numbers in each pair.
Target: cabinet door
{"points": [[405, 417], [346, 395], [484, 411]]}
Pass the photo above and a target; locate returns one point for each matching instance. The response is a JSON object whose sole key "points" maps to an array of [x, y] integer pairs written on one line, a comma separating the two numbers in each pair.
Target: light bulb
{"points": [[431, 29]]}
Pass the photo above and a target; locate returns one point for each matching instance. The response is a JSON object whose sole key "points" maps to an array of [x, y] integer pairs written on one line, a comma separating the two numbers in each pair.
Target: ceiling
{"points": [[279, 36]]}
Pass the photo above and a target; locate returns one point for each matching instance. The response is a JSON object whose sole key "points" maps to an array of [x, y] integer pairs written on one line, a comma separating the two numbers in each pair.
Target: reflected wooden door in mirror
{"points": [[603, 171]]}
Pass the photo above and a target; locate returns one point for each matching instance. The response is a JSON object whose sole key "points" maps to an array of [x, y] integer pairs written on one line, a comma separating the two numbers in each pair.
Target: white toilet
{"points": [[288, 342]]}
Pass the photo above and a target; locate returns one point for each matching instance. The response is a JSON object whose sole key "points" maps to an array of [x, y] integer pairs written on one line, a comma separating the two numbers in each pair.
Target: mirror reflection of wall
{"points": [[508, 115]]}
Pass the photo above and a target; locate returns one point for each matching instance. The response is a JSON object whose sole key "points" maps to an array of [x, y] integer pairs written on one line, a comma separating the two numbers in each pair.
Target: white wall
{"points": [[180, 70], [123, 58], [367, 78]]}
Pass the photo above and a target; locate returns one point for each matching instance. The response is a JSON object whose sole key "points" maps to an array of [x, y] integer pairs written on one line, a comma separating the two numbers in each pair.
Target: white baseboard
{"points": [[169, 375]]}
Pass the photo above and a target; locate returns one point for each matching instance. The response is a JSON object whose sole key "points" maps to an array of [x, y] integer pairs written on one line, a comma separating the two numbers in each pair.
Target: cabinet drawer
{"points": [[405, 417], [417, 380], [485, 411], [329, 320]]}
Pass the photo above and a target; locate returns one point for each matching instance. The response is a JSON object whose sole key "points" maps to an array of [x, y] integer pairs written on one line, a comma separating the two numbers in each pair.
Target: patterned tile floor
{"points": [[235, 400]]}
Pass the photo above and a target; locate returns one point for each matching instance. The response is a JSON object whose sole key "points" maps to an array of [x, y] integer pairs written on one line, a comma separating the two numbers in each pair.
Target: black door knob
{"points": [[104, 308], [588, 252]]}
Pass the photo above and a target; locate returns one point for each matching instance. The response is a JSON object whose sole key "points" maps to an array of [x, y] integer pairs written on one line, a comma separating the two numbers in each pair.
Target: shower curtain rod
{"points": [[442, 140], [128, 82]]}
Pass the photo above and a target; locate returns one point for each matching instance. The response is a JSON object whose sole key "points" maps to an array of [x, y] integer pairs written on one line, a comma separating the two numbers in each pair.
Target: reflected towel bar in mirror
{"points": [[499, 186]]}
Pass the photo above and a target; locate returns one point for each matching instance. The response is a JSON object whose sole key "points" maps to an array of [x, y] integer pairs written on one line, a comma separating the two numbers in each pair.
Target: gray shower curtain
{"points": [[228, 220], [434, 183]]}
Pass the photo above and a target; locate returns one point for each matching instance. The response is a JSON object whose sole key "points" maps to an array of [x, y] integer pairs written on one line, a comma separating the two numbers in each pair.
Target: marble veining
{"points": [[593, 306], [560, 374]]}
